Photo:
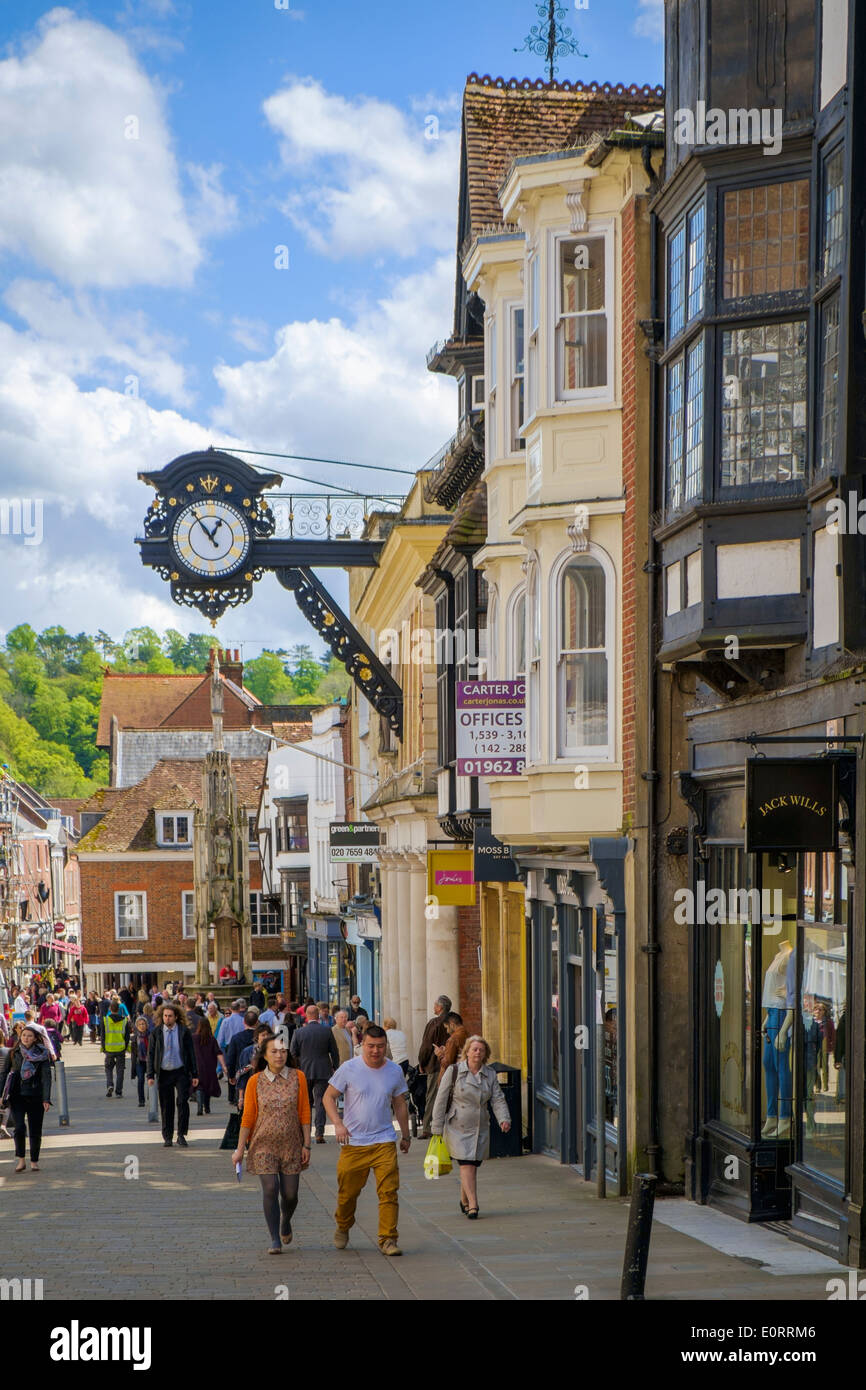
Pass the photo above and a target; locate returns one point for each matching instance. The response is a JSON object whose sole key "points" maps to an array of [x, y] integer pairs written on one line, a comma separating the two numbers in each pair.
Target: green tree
{"points": [[21, 639], [335, 684], [306, 675], [267, 679], [49, 713]]}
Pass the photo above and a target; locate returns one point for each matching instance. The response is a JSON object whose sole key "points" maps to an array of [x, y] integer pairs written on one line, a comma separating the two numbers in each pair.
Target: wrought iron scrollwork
{"points": [[213, 600], [347, 644]]}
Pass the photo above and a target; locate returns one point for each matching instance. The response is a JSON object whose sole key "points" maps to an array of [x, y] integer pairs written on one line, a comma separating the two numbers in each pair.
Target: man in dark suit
{"points": [[258, 998], [171, 1065], [315, 1048]]}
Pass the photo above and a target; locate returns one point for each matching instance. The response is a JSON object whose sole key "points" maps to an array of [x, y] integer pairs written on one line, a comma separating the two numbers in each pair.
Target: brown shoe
{"points": [[320, 1138], [341, 1239], [390, 1247], [20, 1165]]}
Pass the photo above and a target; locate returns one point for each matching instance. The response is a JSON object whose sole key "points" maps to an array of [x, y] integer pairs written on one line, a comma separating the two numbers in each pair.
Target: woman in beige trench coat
{"points": [[460, 1116]]}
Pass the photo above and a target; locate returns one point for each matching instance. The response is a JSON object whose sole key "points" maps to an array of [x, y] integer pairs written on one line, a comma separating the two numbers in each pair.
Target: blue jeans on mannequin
{"points": [[777, 1068]]}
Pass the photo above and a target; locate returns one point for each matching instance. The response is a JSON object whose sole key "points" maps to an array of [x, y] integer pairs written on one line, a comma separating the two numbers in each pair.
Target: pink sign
{"points": [[453, 876]]}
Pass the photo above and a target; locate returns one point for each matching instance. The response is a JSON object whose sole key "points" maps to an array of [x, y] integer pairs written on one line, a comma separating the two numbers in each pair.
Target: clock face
{"points": [[211, 538]]}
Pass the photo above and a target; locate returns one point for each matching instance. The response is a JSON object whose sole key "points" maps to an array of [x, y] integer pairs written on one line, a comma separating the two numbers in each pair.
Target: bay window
{"points": [[532, 612], [582, 332], [533, 317], [766, 239], [583, 659], [685, 426], [491, 388], [763, 413], [685, 287], [516, 372]]}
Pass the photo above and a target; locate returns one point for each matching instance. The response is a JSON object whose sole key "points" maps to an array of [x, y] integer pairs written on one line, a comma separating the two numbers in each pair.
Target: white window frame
{"points": [[476, 397], [161, 818], [187, 893], [491, 374], [517, 597], [591, 753], [535, 749], [515, 429], [595, 230], [130, 893], [532, 334], [255, 933]]}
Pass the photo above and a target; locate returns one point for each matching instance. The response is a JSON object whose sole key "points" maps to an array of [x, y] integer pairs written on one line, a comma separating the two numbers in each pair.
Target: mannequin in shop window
{"points": [[778, 1005]]}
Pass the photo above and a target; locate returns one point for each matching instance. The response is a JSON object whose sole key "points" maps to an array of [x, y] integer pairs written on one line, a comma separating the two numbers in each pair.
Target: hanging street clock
{"points": [[210, 532]]}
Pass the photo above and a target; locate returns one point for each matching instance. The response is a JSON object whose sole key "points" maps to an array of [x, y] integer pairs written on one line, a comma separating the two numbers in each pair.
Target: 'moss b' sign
{"points": [[791, 803]]}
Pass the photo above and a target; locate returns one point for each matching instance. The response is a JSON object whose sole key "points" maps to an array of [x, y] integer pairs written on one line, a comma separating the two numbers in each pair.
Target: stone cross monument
{"points": [[220, 861]]}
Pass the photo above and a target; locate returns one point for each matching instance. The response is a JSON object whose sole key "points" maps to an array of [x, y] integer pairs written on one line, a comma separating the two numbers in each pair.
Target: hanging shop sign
{"points": [[450, 879], [491, 728], [492, 859], [354, 841], [791, 804]]}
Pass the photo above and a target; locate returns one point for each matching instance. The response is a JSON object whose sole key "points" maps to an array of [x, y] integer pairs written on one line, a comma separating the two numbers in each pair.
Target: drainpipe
{"points": [[651, 776]]}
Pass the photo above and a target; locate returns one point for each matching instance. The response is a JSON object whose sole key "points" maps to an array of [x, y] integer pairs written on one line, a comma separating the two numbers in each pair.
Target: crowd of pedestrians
{"points": [[289, 1069]]}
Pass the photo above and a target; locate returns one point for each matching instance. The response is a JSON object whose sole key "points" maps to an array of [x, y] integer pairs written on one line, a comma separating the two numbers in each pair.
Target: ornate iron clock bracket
{"points": [[369, 674]]}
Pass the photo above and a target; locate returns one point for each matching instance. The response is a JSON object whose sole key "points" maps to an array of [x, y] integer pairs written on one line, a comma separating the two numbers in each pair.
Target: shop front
{"points": [[576, 918], [364, 938], [773, 860], [331, 960]]}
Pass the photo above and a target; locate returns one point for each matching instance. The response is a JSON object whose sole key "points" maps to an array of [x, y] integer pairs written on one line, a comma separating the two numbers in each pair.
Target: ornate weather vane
{"points": [[551, 40]]}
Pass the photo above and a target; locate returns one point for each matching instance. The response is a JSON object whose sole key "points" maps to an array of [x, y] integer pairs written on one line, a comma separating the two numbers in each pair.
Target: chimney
{"points": [[232, 667]]}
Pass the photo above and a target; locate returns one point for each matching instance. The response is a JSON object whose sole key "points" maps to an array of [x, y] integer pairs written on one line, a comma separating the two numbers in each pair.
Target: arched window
{"points": [[584, 677], [517, 637]]}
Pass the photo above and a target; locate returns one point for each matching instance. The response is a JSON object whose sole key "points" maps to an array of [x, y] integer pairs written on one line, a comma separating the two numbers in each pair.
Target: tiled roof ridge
{"points": [[538, 84], [153, 675]]}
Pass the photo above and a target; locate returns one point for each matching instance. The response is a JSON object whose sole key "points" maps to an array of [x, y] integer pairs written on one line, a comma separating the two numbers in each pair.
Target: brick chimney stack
{"points": [[232, 667]]}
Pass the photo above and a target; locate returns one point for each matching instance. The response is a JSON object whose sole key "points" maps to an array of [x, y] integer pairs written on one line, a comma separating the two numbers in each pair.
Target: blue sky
{"points": [[153, 156]]}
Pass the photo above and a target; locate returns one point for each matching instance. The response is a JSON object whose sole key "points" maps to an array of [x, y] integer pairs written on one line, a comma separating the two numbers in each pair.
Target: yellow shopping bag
{"points": [[437, 1160]]}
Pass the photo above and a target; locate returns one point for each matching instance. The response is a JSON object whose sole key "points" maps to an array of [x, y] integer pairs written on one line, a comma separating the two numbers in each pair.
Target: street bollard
{"points": [[640, 1220], [152, 1105], [62, 1095]]}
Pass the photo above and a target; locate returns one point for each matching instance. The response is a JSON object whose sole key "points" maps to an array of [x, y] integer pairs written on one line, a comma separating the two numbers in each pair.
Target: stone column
{"points": [[390, 950], [419, 1003], [443, 965], [404, 938]]}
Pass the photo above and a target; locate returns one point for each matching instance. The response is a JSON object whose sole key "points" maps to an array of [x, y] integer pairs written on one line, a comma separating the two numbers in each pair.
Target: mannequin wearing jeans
{"points": [[778, 1002]]}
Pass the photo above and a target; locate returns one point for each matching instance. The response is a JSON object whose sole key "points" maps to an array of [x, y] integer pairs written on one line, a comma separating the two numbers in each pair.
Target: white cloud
{"points": [[80, 449], [80, 336], [376, 183], [213, 209], [80, 197], [253, 335], [51, 592], [364, 383], [650, 21]]}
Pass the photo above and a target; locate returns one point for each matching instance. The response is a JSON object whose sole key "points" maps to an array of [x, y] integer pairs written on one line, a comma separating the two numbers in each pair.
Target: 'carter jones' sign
{"points": [[791, 803]]}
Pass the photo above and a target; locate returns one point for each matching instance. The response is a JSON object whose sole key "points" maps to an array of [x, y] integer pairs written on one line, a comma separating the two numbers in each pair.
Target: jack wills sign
{"points": [[791, 803]]}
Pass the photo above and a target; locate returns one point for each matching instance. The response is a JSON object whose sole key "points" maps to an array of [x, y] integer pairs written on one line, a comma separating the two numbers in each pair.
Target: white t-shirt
{"points": [[367, 1093], [399, 1047]]}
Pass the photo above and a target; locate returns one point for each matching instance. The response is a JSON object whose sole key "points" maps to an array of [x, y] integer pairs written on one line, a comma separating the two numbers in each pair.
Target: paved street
{"points": [[541, 1231]]}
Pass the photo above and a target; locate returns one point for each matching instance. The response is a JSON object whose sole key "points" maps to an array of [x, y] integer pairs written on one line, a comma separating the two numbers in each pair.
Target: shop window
{"points": [[833, 228], [763, 405], [828, 386], [130, 916], [766, 239], [583, 659], [729, 1012], [823, 999], [582, 331]]}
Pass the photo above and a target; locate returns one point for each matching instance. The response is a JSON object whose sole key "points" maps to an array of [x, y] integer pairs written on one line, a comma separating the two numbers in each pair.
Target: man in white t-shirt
{"points": [[374, 1092]]}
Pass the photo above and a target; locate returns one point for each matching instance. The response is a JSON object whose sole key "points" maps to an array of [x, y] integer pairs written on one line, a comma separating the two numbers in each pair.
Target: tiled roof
{"points": [[140, 702], [508, 119], [294, 733], [129, 823]]}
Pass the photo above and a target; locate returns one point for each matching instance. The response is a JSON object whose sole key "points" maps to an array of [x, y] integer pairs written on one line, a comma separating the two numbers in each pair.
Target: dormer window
{"points": [[173, 828]]}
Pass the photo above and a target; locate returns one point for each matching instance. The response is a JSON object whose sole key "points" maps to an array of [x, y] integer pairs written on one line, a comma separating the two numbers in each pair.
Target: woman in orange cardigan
{"points": [[276, 1122]]}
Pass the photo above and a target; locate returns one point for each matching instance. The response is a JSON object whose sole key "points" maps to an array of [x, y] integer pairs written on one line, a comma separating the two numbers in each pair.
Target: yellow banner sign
{"points": [[450, 879]]}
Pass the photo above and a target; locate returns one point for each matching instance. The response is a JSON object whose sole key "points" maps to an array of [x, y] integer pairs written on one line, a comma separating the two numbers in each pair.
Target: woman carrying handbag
{"points": [[460, 1116], [26, 1084]]}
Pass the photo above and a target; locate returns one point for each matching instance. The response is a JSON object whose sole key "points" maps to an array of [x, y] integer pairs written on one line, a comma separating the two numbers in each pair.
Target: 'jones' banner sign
{"points": [[791, 803]]}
